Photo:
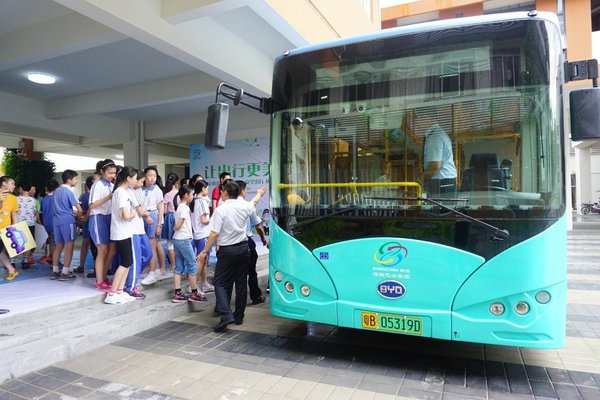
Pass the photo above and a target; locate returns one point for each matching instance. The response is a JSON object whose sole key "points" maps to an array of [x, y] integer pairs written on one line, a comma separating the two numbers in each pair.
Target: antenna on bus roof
{"points": [[218, 113]]}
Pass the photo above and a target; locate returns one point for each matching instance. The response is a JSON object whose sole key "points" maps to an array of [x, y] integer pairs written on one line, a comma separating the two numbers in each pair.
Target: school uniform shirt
{"points": [[185, 232], [120, 228], [100, 189], [201, 207], [63, 202], [47, 213], [150, 197], [8, 206], [138, 222], [26, 210], [229, 221]]}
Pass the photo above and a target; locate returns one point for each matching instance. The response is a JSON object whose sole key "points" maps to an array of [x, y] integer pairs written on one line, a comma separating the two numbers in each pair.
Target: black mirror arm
{"points": [[236, 94]]}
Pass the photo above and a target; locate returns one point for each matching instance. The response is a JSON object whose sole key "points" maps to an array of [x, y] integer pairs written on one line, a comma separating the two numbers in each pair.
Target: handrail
{"points": [[352, 185]]}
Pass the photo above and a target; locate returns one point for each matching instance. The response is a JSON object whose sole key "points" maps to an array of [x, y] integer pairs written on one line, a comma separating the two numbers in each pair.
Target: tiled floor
{"points": [[272, 358]]}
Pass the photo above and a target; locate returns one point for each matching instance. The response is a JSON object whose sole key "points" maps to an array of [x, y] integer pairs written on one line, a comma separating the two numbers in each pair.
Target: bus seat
{"points": [[484, 173]]}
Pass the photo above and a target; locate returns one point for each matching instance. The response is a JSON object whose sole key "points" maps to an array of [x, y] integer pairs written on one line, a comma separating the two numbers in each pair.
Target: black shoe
{"points": [[91, 274], [79, 270], [258, 301], [238, 321], [220, 327], [4, 310]]}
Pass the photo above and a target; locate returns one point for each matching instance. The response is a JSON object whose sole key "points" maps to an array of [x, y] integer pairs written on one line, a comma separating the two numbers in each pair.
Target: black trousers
{"points": [[255, 291], [232, 268], [439, 186]]}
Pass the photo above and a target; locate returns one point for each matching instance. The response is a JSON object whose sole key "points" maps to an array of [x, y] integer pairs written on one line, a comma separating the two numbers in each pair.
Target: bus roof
{"points": [[426, 27]]}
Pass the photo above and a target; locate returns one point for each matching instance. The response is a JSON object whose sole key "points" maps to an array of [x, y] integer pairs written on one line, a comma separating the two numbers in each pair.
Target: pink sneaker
{"points": [[103, 286]]}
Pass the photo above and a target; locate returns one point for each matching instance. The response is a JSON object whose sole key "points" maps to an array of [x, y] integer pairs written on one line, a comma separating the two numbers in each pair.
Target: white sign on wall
{"points": [[246, 160]]}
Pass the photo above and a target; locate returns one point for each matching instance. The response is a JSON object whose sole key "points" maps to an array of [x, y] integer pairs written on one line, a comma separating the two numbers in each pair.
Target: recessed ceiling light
{"points": [[119, 156], [43, 79]]}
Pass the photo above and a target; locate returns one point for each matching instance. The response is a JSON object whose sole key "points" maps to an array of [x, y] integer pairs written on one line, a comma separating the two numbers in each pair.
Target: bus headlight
{"points": [[497, 308], [278, 276], [289, 286], [305, 290], [522, 308], [543, 297]]}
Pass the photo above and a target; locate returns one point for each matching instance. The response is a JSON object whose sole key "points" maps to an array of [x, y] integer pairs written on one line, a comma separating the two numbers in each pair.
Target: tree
{"points": [[35, 172]]}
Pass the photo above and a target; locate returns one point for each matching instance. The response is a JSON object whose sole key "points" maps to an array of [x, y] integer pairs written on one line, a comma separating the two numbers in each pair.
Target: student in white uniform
{"points": [[142, 252], [151, 198], [200, 219], [100, 220], [185, 258], [122, 229]]}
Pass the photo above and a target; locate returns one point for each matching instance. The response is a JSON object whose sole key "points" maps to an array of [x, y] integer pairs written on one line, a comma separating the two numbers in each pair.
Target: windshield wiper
{"points": [[497, 233]]}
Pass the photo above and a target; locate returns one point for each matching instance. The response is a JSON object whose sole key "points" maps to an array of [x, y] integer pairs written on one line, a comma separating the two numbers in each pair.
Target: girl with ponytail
{"points": [[123, 212]]}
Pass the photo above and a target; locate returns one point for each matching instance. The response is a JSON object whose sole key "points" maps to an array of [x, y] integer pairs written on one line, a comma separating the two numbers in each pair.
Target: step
{"points": [[34, 340], [29, 327], [28, 357]]}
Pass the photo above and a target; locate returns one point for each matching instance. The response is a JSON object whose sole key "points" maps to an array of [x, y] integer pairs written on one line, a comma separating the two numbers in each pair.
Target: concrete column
{"points": [[161, 168], [583, 178], [135, 150]]}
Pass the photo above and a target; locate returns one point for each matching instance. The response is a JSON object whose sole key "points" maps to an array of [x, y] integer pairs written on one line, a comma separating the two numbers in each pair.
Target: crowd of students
{"points": [[123, 214]]}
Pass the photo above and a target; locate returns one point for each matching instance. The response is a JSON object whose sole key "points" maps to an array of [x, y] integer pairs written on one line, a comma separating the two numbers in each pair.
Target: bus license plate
{"points": [[392, 323]]}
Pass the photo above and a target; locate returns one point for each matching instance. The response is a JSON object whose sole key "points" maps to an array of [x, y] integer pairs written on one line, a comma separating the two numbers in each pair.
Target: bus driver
{"points": [[439, 175]]}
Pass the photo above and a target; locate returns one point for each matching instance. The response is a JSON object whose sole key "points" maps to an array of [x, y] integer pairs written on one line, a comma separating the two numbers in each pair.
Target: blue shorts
{"points": [[185, 259], [99, 226], [200, 244], [65, 233], [151, 229]]}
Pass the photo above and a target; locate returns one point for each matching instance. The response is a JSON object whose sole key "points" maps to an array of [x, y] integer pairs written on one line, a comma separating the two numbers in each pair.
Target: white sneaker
{"points": [[166, 275], [112, 299], [125, 297], [149, 280], [207, 287]]}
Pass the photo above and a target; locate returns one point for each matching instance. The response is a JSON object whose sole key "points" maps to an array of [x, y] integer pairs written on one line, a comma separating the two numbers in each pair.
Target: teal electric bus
{"points": [[356, 239]]}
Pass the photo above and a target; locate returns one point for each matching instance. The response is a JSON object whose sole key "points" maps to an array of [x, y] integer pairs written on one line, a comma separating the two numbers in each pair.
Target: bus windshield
{"points": [[357, 125]]}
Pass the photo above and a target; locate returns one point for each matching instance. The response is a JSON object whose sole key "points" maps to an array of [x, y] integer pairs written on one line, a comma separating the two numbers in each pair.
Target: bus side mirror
{"points": [[216, 126], [585, 114]]}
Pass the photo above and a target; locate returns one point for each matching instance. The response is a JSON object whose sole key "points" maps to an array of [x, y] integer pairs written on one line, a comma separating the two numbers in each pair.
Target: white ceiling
{"points": [[122, 61]]}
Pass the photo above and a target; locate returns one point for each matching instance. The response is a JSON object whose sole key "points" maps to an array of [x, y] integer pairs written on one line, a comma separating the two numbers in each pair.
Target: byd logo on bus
{"points": [[391, 289]]}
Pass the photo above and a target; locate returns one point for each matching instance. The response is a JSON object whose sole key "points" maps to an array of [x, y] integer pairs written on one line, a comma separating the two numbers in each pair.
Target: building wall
{"points": [[322, 20], [578, 24]]}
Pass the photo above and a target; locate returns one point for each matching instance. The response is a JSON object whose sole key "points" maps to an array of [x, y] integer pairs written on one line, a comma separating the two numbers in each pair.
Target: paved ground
{"points": [[270, 358]]}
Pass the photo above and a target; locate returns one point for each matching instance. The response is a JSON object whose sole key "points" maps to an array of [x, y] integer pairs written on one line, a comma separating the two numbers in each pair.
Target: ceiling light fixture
{"points": [[119, 156], [42, 79]]}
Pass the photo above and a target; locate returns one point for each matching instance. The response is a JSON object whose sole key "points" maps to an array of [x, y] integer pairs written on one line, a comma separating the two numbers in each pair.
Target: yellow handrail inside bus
{"points": [[352, 185]]}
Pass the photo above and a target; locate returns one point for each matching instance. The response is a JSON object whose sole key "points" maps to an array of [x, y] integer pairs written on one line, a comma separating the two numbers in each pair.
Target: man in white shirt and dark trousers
{"points": [[255, 293], [229, 232]]}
